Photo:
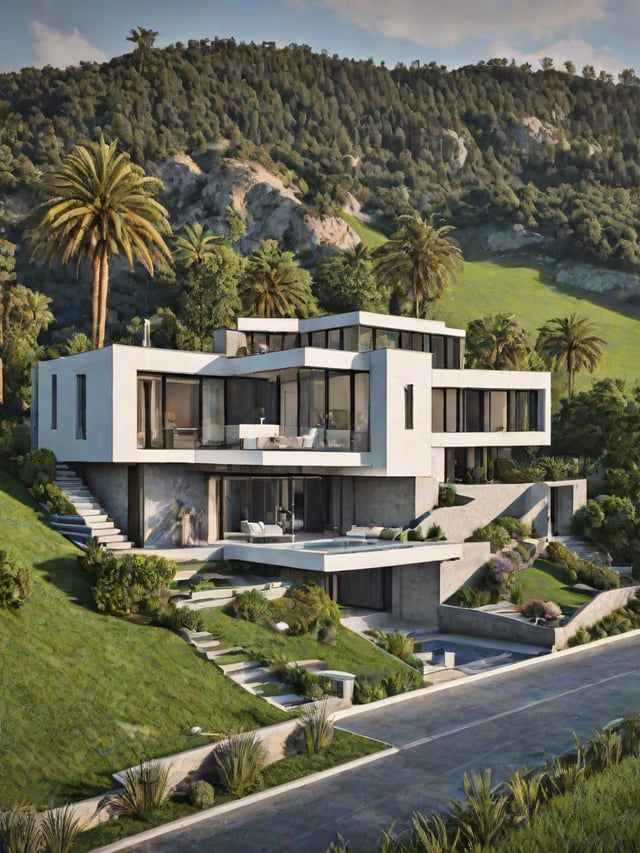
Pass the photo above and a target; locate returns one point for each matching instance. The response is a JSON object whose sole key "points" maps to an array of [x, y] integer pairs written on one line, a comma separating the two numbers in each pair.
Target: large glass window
{"points": [[387, 339], [212, 412], [54, 401], [474, 411], [338, 421], [149, 430], [249, 399], [361, 412], [312, 399], [81, 406]]}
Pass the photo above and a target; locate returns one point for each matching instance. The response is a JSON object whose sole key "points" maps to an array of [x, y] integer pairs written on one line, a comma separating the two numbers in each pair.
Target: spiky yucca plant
{"points": [[146, 790], [59, 828], [20, 831], [526, 794], [317, 726], [238, 761], [483, 814]]}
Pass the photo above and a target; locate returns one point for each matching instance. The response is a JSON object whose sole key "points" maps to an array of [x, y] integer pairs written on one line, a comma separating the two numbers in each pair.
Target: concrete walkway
{"points": [[526, 714]]}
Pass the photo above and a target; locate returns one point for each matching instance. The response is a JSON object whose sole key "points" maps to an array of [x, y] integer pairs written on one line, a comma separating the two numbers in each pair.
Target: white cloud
{"points": [[580, 52], [59, 49], [447, 24]]}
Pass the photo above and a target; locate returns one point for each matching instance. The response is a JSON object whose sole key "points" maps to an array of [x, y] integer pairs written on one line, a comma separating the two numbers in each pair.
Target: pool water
{"points": [[327, 545], [466, 653]]}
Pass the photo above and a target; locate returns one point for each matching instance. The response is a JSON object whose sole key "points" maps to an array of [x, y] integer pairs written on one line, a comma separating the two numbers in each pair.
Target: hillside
{"points": [[312, 150], [83, 695]]}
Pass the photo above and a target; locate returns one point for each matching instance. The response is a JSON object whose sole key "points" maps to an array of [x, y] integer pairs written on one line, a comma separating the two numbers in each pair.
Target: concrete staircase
{"points": [[91, 521]]}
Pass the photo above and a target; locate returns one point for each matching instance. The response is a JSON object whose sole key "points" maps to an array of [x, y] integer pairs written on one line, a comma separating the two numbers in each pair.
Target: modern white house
{"points": [[307, 426], [315, 424]]}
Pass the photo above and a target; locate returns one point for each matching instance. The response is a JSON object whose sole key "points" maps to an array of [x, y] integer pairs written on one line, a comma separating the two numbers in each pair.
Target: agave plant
{"points": [[146, 790], [566, 773]]}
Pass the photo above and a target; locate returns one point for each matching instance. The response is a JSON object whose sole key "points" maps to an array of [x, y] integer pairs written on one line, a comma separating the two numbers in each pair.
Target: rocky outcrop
{"points": [[269, 208], [598, 280], [510, 239]]}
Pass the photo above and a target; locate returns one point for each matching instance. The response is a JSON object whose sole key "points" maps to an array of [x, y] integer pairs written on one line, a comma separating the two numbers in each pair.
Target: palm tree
{"points": [[419, 257], [144, 39], [98, 204], [275, 286], [496, 343], [195, 246], [570, 343]]}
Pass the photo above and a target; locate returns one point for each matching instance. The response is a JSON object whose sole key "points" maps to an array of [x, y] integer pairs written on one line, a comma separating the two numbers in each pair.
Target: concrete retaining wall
{"points": [[273, 739], [460, 620], [593, 611]]}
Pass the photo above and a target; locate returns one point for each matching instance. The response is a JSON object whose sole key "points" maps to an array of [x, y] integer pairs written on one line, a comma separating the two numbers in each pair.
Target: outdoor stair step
{"points": [[119, 546], [110, 537]]}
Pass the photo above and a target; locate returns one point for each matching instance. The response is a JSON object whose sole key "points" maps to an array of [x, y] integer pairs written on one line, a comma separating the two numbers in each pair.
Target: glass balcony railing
{"points": [[258, 437]]}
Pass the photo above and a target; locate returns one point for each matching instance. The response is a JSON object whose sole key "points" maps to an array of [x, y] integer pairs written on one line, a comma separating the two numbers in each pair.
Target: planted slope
{"points": [[83, 695]]}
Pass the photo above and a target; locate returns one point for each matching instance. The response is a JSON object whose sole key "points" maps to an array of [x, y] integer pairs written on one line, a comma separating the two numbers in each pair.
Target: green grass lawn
{"points": [[350, 652], [510, 286], [83, 695], [544, 580], [519, 285]]}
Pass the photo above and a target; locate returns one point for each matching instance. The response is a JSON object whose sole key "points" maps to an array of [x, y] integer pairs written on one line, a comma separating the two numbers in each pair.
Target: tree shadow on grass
{"points": [[65, 573]]}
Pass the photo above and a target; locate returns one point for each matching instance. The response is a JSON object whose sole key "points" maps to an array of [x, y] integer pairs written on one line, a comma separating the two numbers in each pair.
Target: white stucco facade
{"points": [[333, 409]]}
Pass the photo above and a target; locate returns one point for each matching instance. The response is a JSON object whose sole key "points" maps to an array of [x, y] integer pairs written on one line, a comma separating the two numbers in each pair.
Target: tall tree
{"points": [[209, 298], [420, 258], [346, 281], [275, 285], [144, 40], [571, 344], [496, 343], [98, 204]]}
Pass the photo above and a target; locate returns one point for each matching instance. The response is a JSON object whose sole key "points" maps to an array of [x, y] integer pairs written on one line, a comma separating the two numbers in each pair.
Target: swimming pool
{"points": [[332, 545], [468, 653]]}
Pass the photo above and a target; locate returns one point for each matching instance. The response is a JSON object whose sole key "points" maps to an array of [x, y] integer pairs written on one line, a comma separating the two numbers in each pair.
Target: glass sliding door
{"points": [[182, 412], [361, 412]]}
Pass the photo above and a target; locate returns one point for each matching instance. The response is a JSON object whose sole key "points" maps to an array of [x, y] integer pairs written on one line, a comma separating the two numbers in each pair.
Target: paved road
{"points": [[514, 717]]}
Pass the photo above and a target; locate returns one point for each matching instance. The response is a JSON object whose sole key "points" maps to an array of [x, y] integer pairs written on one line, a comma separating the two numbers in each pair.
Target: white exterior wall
{"points": [[97, 366], [395, 450]]}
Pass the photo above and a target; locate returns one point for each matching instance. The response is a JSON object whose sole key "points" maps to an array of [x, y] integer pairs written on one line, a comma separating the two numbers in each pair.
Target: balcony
{"points": [[258, 437]]}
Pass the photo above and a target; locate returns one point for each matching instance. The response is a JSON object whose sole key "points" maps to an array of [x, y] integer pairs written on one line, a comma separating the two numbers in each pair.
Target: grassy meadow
{"points": [[519, 285]]}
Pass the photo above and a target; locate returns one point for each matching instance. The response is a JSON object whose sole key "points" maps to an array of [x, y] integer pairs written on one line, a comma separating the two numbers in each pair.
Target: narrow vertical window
{"points": [[408, 406], [54, 401], [81, 406]]}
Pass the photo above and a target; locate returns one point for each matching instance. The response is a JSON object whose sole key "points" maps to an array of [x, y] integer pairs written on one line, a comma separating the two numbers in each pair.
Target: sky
{"points": [[602, 33]]}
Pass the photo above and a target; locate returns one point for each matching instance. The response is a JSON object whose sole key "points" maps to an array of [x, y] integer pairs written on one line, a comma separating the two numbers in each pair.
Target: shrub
{"points": [[535, 608], [202, 794], [516, 594], [415, 534], [402, 682], [435, 533], [53, 497], [500, 576], [301, 680], [238, 761], [398, 644], [250, 605], [124, 584], [513, 526], [446, 495], [497, 536], [471, 597], [146, 790], [327, 634], [94, 558], [35, 463], [15, 581], [368, 690], [389, 533]]}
